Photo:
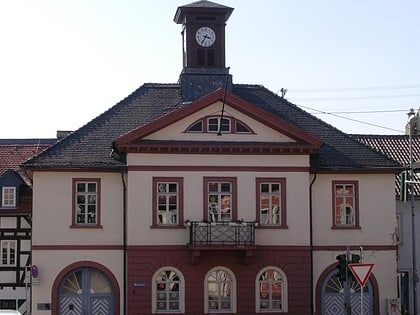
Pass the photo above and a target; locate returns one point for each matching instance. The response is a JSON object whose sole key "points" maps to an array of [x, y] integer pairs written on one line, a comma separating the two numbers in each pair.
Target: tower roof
{"points": [[179, 17]]}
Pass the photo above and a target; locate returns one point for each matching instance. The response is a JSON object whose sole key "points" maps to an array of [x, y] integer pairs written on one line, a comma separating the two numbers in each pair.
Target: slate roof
{"points": [[91, 146], [13, 152]]}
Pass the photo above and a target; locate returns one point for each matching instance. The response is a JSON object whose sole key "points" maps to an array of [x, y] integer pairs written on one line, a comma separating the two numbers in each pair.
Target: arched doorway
{"points": [[333, 296], [85, 288], [85, 291]]}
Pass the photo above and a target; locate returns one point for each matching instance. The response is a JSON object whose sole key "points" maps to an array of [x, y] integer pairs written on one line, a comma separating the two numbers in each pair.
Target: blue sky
{"points": [[64, 62]]}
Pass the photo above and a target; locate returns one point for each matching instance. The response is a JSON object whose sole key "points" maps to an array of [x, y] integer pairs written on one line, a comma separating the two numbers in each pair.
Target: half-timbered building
{"points": [[16, 220]]}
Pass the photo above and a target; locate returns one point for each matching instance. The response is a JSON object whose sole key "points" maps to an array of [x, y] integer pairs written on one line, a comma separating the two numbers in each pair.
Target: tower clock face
{"points": [[205, 36]]}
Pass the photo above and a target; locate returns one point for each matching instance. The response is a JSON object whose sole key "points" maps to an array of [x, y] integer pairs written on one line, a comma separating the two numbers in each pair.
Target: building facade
{"points": [[206, 196], [16, 221]]}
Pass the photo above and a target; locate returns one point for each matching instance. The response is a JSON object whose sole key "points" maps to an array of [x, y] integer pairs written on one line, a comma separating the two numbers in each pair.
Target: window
{"points": [[215, 124], [221, 195], [220, 291], [8, 253], [271, 199], [168, 291], [8, 197], [167, 201], [86, 202], [8, 304], [345, 204], [271, 290]]}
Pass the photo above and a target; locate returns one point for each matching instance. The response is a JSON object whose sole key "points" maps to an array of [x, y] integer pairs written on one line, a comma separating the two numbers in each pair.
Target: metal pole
{"points": [[413, 215], [347, 287], [361, 300]]}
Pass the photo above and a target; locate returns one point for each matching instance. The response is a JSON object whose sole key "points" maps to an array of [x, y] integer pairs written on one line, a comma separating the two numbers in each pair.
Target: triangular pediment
{"points": [[246, 128]]}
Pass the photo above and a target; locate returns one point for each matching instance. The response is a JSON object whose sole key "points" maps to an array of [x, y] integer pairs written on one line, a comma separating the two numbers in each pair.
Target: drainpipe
{"points": [[311, 242], [124, 243]]}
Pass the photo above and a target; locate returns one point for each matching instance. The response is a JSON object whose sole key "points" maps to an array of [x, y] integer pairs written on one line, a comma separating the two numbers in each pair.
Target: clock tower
{"points": [[203, 32], [203, 42]]}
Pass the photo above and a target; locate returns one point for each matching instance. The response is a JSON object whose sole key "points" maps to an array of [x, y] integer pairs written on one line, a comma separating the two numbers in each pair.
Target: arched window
{"points": [[215, 124], [271, 290], [220, 291], [168, 291]]}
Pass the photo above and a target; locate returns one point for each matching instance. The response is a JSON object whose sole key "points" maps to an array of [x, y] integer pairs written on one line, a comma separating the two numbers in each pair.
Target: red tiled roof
{"points": [[14, 153], [396, 147]]}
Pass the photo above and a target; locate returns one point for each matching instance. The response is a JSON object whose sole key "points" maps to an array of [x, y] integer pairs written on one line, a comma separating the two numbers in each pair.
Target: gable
{"points": [[265, 132], [11, 178]]}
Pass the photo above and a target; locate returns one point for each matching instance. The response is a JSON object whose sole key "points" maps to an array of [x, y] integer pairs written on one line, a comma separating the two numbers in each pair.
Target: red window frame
{"points": [[354, 197], [283, 211], [180, 182], [97, 224], [233, 201]]}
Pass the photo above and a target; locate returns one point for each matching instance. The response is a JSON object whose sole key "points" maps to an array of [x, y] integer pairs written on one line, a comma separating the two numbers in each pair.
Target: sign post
{"points": [[362, 273]]}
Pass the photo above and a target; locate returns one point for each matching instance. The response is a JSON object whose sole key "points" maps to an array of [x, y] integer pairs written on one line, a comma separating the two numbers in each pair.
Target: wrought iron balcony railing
{"points": [[235, 233]]}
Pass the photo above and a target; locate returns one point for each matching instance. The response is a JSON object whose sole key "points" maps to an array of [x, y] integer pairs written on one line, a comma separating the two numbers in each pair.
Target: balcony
{"points": [[236, 235]]}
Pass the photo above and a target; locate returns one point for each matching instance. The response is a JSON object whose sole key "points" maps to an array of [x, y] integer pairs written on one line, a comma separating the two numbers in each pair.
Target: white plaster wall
{"points": [[377, 211], [140, 193], [52, 210], [176, 131]]}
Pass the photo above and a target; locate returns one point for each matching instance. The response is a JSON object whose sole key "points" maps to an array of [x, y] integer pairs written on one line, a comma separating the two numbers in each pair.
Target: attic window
{"points": [[8, 197], [214, 124]]}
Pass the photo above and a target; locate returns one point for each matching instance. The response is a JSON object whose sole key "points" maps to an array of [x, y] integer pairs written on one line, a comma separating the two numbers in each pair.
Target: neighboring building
{"points": [[206, 196], [398, 147], [16, 220]]}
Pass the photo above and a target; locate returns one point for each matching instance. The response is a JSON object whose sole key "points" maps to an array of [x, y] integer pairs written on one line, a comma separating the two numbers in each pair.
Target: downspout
{"points": [[124, 243], [311, 243]]}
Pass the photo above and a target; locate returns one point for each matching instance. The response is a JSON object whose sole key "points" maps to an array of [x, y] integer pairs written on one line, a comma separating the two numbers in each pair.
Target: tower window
{"points": [[206, 57], [211, 57], [200, 58]]}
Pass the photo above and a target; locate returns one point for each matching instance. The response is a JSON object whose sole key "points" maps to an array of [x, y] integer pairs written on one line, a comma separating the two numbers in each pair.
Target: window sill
{"points": [[270, 227], [177, 227], [86, 226], [343, 227]]}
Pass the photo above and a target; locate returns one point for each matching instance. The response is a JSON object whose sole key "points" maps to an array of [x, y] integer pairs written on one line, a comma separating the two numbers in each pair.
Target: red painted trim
{"points": [[234, 201], [359, 171], [77, 247], [83, 264], [283, 194], [355, 183], [356, 247], [237, 148], [180, 182], [210, 168], [98, 203]]}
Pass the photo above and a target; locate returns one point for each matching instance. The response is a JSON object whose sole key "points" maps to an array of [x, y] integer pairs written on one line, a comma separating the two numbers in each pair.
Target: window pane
{"points": [[92, 187], [197, 127], [213, 124], [80, 187]]}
